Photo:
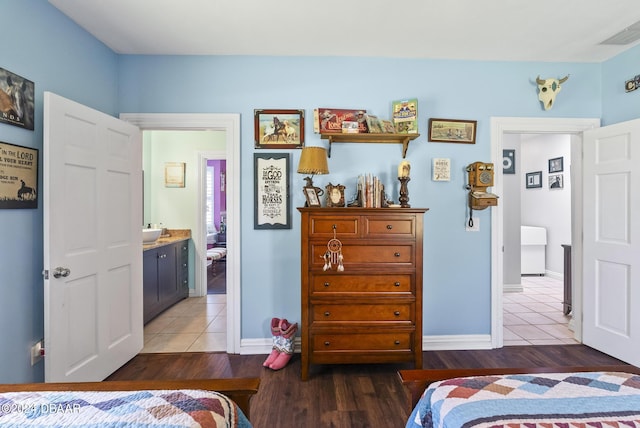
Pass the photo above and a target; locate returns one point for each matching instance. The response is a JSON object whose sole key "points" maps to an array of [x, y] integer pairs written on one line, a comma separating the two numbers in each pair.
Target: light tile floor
{"points": [[534, 316], [196, 324]]}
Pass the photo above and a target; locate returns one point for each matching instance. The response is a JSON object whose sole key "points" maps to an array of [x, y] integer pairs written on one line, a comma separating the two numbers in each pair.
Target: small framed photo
{"points": [[556, 181], [174, 174], [508, 161], [452, 131], [279, 129], [534, 179], [312, 196], [556, 165], [335, 195]]}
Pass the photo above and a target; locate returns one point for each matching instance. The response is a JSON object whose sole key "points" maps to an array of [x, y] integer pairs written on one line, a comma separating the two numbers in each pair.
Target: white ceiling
{"points": [[509, 30]]}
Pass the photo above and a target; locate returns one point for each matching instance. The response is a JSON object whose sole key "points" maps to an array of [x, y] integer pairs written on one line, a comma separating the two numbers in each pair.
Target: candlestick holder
{"points": [[404, 192]]}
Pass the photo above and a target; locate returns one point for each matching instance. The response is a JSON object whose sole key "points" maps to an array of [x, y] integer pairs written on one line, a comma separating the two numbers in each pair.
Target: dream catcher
{"points": [[333, 255]]}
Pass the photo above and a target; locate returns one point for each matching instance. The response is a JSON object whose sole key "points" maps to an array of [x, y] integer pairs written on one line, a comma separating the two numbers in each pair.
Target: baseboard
{"points": [[456, 342], [512, 288], [429, 343]]}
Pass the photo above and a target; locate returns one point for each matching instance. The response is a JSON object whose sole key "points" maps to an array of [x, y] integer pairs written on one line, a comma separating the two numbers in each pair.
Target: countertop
{"points": [[172, 236]]}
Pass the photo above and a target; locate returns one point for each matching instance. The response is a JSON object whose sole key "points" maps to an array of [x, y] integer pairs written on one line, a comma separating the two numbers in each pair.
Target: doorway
{"points": [[230, 125], [500, 129], [537, 223]]}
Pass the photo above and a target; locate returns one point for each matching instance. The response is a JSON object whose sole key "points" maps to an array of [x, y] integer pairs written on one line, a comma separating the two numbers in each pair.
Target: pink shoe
{"points": [[275, 332], [285, 344]]}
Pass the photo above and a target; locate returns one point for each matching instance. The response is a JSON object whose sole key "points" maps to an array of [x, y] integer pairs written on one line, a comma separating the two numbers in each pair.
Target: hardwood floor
{"points": [[339, 396]]}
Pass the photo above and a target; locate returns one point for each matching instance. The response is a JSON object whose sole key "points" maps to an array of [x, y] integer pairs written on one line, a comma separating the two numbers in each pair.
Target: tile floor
{"points": [[534, 316], [196, 324]]}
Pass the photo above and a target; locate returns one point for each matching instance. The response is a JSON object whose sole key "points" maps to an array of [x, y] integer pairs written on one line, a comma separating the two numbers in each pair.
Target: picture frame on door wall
{"points": [[18, 176]]}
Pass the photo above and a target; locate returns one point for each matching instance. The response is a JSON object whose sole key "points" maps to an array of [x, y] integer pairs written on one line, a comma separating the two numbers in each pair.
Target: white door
{"points": [[92, 241], [611, 261]]}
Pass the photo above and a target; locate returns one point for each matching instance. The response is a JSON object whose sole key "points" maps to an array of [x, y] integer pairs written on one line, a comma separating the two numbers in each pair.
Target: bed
{"points": [[153, 403], [549, 397]]}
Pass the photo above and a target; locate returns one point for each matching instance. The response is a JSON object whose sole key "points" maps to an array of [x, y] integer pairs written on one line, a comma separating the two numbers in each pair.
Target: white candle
{"points": [[403, 169]]}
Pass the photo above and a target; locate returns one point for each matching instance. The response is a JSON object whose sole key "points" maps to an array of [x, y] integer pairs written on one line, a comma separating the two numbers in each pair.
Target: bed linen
{"points": [[131, 409], [550, 400]]}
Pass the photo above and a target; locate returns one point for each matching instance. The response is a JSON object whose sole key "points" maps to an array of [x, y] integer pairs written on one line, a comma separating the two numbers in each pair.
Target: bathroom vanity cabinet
{"points": [[165, 277]]}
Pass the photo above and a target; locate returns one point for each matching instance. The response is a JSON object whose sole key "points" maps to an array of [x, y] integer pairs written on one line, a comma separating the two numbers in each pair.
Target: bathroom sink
{"points": [[150, 236]]}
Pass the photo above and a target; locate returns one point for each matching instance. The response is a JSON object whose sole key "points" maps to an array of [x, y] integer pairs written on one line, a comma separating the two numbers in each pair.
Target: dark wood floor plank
{"points": [[341, 396]]}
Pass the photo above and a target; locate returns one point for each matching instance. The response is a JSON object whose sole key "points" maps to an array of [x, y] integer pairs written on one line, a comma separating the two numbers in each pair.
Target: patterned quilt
{"points": [[550, 400], [131, 409]]}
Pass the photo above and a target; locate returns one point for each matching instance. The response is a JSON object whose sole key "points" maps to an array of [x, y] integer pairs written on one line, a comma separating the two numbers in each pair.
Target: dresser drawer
{"points": [[389, 227], [399, 255], [387, 341], [343, 226], [322, 284], [388, 312]]}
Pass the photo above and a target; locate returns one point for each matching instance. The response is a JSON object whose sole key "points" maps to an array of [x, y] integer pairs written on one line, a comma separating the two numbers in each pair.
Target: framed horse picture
{"points": [[18, 176], [279, 129], [16, 100]]}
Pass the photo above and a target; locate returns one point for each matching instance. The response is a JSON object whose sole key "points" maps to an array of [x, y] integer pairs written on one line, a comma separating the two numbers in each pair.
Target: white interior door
{"points": [[92, 241], [611, 264]]}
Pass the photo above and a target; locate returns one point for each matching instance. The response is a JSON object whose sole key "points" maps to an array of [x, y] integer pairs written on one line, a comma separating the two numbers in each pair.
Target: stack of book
{"points": [[371, 192]]}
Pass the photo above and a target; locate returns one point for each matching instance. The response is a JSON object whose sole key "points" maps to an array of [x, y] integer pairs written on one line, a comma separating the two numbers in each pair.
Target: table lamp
{"points": [[313, 160]]}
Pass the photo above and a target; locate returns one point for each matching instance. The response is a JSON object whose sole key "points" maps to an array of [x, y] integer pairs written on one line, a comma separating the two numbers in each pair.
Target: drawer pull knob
{"points": [[326, 284], [397, 284], [327, 343], [397, 254], [326, 314], [397, 342], [396, 313], [389, 227]]}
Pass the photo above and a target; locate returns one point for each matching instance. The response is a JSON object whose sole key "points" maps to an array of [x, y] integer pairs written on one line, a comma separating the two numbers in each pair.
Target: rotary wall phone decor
{"points": [[480, 178]]}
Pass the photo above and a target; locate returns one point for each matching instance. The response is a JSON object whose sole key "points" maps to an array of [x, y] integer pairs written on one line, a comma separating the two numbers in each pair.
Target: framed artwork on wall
{"points": [[508, 161], [18, 176], [452, 131], [534, 179], [279, 129], [556, 165], [174, 174], [271, 188]]}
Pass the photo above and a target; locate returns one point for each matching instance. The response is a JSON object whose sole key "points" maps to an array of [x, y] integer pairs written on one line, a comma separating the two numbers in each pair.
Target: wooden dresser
{"points": [[372, 311]]}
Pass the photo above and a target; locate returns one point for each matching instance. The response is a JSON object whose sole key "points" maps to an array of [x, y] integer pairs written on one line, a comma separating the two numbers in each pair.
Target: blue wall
{"points": [[60, 57]]}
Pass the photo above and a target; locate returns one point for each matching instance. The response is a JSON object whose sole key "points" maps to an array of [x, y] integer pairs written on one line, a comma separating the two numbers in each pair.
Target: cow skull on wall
{"points": [[548, 89]]}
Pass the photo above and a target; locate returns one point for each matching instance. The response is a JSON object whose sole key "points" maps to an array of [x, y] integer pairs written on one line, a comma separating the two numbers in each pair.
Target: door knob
{"points": [[60, 271]]}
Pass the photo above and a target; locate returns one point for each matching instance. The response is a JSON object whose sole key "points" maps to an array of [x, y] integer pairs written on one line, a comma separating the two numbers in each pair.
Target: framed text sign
{"points": [[18, 176], [272, 203]]}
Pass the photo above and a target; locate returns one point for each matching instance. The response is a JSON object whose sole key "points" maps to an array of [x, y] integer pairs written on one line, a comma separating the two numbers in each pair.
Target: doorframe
{"points": [[522, 125], [230, 124]]}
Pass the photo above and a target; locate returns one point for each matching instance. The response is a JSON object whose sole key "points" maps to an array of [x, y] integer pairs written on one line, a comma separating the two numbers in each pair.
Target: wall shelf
{"points": [[403, 139]]}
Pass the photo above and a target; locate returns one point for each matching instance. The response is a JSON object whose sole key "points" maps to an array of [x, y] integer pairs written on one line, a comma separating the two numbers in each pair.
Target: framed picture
{"points": [[556, 165], [335, 195], [534, 179], [18, 177], [279, 129], [312, 196], [174, 174], [16, 100], [508, 161], [272, 203], [452, 131], [556, 181]]}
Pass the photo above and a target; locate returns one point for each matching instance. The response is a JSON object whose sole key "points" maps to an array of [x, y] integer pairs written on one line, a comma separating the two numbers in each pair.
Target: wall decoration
{"points": [[441, 170], [16, 100], [279, 129], [452, 131], [534, 179], [174, 174], [632, 84], [18, 176], [508, 161], [556, 181], [556, 165], [272, 203], [548, 90]]}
